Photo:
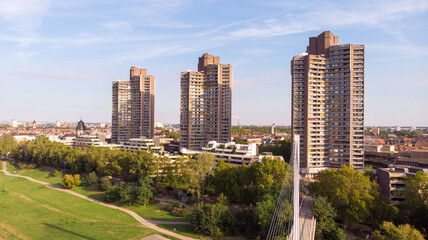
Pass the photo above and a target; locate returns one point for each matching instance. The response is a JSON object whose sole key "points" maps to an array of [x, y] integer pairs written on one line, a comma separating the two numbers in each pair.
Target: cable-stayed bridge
{"points": [[293, 218]]}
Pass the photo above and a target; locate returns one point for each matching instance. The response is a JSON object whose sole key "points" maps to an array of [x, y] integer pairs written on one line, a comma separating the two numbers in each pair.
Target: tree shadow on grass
{"points": [[68, 231]]}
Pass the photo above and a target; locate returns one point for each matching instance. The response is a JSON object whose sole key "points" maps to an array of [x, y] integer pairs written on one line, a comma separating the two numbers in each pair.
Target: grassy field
{"points": [[149, 212], [31, 211], [185, 230], [153, 212]]}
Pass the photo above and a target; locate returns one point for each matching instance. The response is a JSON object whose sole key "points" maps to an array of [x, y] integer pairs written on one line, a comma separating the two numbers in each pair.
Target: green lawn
{"points": [[149, 212], [42, 174], [31, 211], [185, 230], [91, 191], [153, 212]]}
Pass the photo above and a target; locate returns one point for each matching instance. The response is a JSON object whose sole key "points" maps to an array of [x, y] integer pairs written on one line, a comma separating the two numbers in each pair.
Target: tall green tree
{"points": [[326, 227], [348, 190], [198, 170], [7, 144]]}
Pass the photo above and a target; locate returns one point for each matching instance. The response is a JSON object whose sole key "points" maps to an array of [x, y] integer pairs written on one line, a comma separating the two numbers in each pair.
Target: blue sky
{"points": [[58, 58]]}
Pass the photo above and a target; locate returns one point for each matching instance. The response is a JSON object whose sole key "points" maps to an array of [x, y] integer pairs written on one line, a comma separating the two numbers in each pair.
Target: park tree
{"points": [[211, 219], [7, 144], [265, 209], [198, 170], [127, 193], [144, 192], [326, 227], [92, 178], [105, 183], [348, 190], [269, 175], [401, 232], [175, 171]]}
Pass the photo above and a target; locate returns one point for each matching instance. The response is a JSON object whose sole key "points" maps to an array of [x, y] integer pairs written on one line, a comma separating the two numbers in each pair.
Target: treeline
{"points": [[279, 148], [255, 187], [263, 129]]}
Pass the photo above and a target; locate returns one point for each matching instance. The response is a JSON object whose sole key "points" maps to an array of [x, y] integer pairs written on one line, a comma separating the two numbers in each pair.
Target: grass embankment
{"points": [[185, 230], [153, 212], [149, 212], [31, 211]]}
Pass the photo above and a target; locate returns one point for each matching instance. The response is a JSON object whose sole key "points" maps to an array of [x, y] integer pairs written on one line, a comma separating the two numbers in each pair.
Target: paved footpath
{"points": [[137, 217]]}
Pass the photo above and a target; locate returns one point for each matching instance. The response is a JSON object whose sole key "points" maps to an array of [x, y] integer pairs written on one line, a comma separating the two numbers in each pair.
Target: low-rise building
{"points": [[136, 144], [87, 141], [392, 181], [236, 154]]}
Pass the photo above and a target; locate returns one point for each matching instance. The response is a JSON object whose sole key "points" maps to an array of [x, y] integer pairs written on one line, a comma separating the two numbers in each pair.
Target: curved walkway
{"points": [[137, 217]]}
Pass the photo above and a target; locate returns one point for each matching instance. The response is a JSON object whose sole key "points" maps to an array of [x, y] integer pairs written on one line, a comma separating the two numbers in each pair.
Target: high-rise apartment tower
{"points": [[328, 104], [133, 106], [206, 103]]}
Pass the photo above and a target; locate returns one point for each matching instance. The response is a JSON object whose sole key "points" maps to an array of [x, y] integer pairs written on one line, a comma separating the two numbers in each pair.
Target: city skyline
{"points": [[59, 59]]}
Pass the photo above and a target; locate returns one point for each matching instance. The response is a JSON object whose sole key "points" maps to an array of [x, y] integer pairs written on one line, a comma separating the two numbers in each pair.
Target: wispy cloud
{"points": [[24, 16], [117, 25]]}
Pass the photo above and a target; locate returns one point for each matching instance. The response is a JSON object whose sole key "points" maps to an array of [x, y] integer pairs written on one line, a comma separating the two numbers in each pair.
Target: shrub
{"points": [[77, 181], [26, 166], [113, 194], [57, 173], [70, 181], [92, 178], [105, 184]]}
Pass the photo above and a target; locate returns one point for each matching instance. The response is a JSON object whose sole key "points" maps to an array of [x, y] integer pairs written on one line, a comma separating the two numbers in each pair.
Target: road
{"points": [[137, 217]]}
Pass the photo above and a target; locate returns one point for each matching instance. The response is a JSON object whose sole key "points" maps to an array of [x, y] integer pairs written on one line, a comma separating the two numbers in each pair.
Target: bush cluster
{"points": [[71, 181]]}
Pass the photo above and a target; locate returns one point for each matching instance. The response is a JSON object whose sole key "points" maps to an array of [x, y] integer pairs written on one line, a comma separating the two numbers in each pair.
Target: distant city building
{"points": [[206, 103], [328, 104], [159, 125], [34, 124], [398, 128], [376, 130], [412, 128], [14, 123], [80, 129], [58, 123], [133, 106]]}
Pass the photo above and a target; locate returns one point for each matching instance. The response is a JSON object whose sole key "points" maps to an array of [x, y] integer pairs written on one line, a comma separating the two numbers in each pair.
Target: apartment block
{"points": [[328, 103], [121, 111], [392, 181], [206, 103], [133, 106]]}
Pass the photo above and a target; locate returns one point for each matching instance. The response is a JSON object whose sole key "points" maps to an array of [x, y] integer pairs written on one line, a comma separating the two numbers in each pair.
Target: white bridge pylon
{"points": [[292, 219]]}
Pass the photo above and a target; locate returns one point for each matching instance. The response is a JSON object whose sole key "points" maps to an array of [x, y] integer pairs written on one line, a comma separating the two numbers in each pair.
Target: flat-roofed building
{"points": [[392, 181], [137, 144]]}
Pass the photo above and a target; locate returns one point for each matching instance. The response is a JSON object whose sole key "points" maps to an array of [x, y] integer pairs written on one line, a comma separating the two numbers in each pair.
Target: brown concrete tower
{"points": [[328, 103], [206, 103], [133, 106]]}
